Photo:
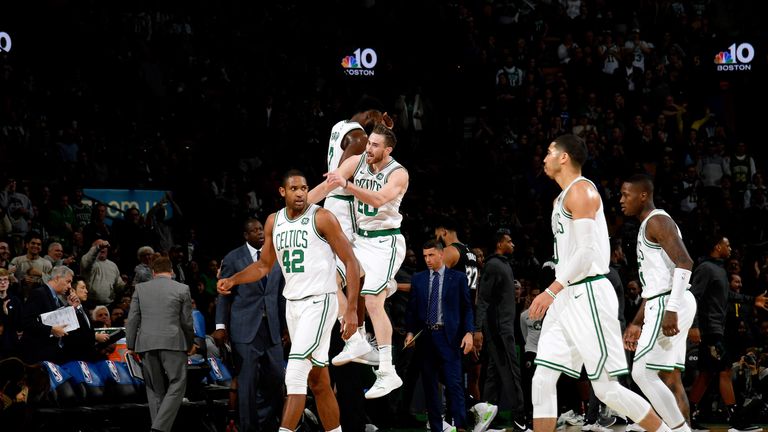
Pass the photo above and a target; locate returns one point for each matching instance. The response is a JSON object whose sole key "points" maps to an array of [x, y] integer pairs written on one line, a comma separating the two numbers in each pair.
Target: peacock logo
{"points": [[736, 58], [361, 62]]}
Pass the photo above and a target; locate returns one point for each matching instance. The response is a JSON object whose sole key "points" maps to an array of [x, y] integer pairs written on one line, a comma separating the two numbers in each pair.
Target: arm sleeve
{"points": [[585, 238], [680, 282]]}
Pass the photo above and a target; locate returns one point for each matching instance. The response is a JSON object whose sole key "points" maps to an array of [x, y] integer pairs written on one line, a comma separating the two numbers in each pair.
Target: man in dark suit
{"points": [[160, 329], [254, 317], [440, 312], [43, 342]]}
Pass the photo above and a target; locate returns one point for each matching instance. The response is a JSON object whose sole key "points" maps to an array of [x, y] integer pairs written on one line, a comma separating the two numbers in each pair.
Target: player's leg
{"points": [[327, 407]]}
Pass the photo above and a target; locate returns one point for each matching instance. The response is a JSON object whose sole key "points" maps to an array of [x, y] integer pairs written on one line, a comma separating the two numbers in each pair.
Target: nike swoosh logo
{"points": [[382, 240], [577, 296], [280, 223], [316, 302]]}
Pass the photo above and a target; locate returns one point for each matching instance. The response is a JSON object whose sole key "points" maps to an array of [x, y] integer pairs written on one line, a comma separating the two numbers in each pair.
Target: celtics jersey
{"points": [[467, 263], [370, 218], [338, 132], [654, 264], [306, 258], [565, 246]]}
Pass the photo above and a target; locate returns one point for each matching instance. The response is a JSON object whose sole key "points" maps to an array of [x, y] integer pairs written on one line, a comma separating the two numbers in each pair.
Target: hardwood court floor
{"points": [[616, 428]]}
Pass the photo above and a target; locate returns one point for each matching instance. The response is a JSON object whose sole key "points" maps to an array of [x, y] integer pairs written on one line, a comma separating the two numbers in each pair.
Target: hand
{"points": [[286, 338], [761, 300], [466, 343], [192, 350], [539, 306], [22, 395], [58, 331], [669, 324], [631, 336], [694, 335], [335, 179], [408, 340], [101, 337], [478, 341], [224, 286], [220, 336], [73, 299], [349, 323], [5, 305]]}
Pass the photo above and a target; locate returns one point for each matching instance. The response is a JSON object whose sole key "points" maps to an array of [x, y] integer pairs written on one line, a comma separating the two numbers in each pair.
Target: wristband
{"points": [[346, 183], [551, 294]]}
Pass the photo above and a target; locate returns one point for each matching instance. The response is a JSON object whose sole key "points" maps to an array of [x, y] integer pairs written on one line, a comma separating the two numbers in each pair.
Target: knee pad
{"points": [[620, 399], [296, 375], [544, 392]]}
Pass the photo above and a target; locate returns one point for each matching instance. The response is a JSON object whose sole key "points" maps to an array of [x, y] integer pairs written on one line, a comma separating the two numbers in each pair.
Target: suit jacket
{"points": [[496, 302], [80, 344], [37, 342], [241, 311], [456, 306], [160, 317]]}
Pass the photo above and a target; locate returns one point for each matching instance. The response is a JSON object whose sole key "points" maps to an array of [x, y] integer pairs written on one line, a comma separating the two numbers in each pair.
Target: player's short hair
{"points": [[389, 137], [432, 244], [574, 146], [291, 173], [162, 264], [643, 181], [447, 223]]}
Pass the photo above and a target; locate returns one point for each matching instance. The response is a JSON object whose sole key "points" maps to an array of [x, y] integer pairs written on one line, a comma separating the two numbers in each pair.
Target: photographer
{"points": [[747, 385]]}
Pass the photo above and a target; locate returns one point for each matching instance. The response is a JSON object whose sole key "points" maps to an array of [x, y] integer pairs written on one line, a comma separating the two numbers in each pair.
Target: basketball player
{"points": [[349, 138], [304, 238], [378, 185], [668, 307], [582, 326]]}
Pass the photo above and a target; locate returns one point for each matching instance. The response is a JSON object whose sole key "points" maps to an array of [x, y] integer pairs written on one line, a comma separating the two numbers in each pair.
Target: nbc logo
{"points": [[5, 42], [737, 58], [361, 62]]}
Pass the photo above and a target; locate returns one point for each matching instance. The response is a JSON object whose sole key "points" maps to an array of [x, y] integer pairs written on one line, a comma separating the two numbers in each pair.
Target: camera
{"points": [[750, 359]]}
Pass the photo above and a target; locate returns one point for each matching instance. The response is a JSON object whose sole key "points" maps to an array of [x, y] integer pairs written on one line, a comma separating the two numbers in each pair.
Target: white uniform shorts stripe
{"points": [[583, 317], [665, 352], [380, 258], [310, 323]]}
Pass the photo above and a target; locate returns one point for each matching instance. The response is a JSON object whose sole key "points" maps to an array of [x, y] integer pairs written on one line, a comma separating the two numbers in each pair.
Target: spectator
{"points": [[143, 271], [32, 259], [10, 317], [101, 274]]}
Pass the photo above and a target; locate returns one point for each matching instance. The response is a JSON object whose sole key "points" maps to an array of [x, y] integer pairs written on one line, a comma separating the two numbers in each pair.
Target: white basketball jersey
{"points": [[565, 247], [338, 132], [385, 217], [654, 264], [306, 258]]}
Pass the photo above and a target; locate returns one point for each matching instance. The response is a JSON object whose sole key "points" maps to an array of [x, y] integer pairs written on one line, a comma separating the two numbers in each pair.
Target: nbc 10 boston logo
{"points": [[5, 42], [737, 57], [360, 63]]}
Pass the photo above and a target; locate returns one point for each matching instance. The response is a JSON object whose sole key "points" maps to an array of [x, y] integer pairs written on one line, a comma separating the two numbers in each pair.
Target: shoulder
{"points": [[455, 274], [235, 252]]}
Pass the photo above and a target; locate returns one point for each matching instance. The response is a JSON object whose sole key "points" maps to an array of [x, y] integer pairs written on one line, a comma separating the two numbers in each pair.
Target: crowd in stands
{"points": [[213, 102]]}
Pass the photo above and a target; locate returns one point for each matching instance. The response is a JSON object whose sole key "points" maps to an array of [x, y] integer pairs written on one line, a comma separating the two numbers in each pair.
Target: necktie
{"points": [[434, 299]]}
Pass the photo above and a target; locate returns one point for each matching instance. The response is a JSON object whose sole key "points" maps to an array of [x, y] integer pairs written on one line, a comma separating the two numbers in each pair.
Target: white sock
{"points": [[282, 429], [338, 429], [663, 428], [683, 428], [385, 358], [361, 330]]}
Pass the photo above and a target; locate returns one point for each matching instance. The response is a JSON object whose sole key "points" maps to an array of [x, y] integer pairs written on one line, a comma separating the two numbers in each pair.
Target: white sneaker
{"points": [[355, 346], [370, 358], [371, 428], [484, 415], [595, 427], [571, 418], [634, 427], [385, 383], [447, 427]]}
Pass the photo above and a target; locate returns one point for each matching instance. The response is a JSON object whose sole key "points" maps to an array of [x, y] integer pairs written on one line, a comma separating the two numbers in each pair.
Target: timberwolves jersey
{"points": [[467, 263], [385, 217], [306, 258], [565, 247], [655, 266], [338, 132]]}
